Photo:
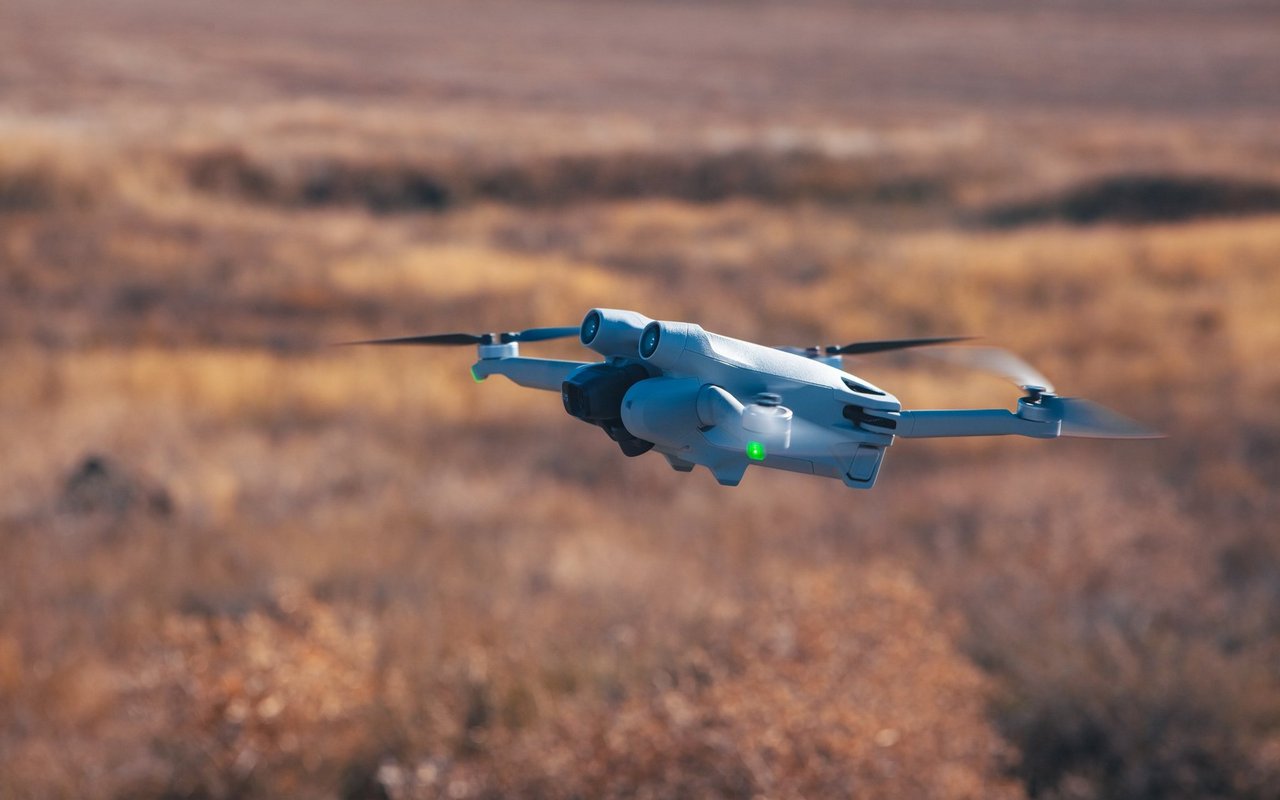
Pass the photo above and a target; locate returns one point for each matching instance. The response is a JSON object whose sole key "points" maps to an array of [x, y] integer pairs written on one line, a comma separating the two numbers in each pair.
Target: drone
{"points": [[700, 398]]}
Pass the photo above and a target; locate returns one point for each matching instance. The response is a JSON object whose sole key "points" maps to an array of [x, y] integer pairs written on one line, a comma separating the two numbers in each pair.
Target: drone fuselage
{"points": [[710, 405], [700, 398]]}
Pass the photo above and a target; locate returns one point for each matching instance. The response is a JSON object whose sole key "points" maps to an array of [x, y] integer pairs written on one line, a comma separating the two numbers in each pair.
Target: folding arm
{"points": [[972, 422], [536, 373]]}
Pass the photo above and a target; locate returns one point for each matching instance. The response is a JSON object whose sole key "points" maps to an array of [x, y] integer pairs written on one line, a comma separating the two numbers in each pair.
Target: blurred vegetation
{"points": [[237, 562]]}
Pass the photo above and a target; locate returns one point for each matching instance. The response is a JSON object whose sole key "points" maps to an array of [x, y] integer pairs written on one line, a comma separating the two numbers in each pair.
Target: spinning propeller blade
{"points": [[998, 362], [439, 339], [885, 345], [866, 348], [457, 339], [543, 334], [1080, 417], [1085, 418]]}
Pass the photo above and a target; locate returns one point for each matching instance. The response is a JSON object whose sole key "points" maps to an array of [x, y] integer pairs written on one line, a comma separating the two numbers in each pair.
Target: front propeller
{"points": [[459, 339]]}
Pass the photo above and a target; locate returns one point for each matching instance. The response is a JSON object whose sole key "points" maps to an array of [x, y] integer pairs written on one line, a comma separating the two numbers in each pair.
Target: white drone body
{"points": [[700, 398]]}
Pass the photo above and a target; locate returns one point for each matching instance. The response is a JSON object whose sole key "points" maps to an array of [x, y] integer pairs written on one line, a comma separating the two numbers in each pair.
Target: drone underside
{"points": [[700, 398]]}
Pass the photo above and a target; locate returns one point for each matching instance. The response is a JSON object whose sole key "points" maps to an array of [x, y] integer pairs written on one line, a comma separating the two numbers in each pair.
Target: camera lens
{"points": [[590, 327], [649, 340]]}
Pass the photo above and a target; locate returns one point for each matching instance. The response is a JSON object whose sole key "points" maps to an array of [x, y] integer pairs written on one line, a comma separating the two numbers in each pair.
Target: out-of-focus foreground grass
{"points": [[235, 561]]}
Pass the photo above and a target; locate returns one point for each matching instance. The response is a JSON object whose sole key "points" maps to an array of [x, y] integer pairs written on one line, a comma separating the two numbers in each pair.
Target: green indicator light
{"points": [[474, 376], [755, 451]]}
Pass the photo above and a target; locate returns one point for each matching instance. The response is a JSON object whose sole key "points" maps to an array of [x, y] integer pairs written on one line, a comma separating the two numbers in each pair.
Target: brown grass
{"points": [[237, 562]]}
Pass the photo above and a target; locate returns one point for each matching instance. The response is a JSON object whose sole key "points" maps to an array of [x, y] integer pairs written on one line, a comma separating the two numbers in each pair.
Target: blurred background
{"points": [[238, 562]]}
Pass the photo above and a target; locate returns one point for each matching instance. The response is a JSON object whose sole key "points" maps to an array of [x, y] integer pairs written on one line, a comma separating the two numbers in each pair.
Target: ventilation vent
{"points": [[861, 388], [858, 416]]}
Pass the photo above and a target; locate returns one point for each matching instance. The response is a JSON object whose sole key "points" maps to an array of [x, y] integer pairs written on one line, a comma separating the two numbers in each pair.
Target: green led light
{"points": [[474, 376], [755, 451]]}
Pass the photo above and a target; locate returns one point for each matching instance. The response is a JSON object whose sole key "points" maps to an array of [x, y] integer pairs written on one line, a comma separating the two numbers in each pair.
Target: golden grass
{"points": [[377, 573], [237, 562], [548, 286]]}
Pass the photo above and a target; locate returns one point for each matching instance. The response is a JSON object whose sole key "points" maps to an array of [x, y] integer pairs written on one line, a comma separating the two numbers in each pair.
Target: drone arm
{"points": [[536, 373], [972, 422]]}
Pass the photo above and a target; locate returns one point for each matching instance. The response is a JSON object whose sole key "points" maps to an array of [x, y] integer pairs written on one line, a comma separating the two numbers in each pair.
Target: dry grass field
{"points": [[238, 562]]}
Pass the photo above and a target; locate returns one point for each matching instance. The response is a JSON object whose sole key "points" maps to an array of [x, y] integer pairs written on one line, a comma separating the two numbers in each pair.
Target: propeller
{"points": [[866, 348], [998, 362], [1087, 419], [1080, 417], [456, 339], [885, 345]]}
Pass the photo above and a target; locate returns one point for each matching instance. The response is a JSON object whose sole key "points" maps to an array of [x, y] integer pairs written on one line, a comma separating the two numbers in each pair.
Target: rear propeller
{"points": [[458, 339], [886, 345], [1080, 417], [866, 348]]}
